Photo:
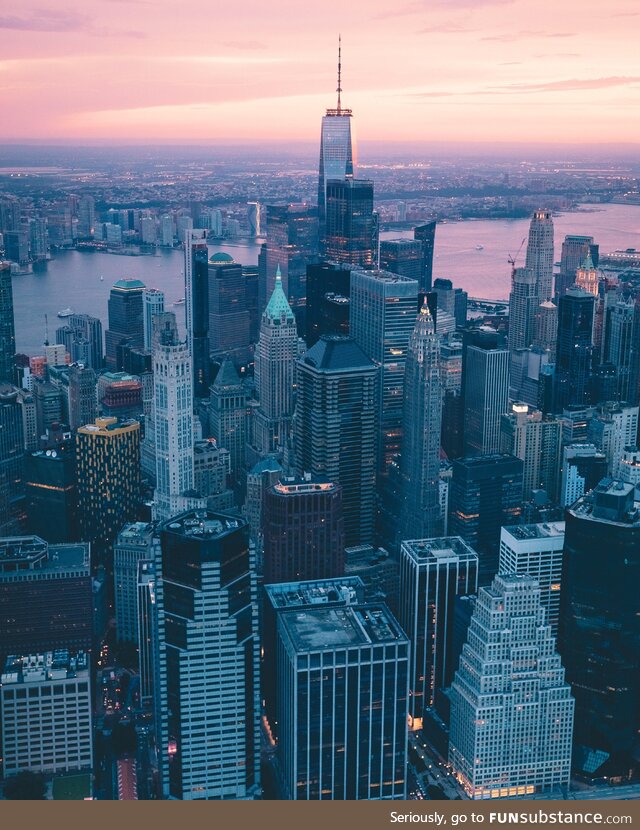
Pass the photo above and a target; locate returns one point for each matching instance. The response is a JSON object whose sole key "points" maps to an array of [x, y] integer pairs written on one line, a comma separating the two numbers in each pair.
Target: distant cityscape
{"points": [[343, 531]]}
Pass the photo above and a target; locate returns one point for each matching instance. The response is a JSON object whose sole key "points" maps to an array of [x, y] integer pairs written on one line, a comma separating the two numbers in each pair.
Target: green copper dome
{"points": [[129, 283], [221, 259]]}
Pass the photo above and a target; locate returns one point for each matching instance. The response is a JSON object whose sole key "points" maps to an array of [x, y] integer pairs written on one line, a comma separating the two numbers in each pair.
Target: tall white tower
{"points": [[540, 253], [173, 419]]}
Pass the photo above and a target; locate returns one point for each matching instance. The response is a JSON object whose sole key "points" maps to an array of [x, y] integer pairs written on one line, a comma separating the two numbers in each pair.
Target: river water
{"points": [[73, 278]]}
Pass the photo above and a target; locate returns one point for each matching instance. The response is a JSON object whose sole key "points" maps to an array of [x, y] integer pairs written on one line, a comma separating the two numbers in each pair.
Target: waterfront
{"points": [[73, 278]]}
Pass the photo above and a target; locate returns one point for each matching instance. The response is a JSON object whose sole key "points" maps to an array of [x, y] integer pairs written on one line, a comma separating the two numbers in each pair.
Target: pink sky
{"points": [[421, 70]]}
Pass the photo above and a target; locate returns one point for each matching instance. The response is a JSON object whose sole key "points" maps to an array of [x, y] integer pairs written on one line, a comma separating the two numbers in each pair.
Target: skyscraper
{"points": [[403, 257], [7, 329], [587, 276], [574, 251], [51, 488], [546, 326], [133, 544], [485, 493], [228, 417], [342, 703], [146, 628], [83, 340], [153, 302], [208, 698], [382, 319], [81, 395], [173, 418], [426, 235], [328, 300], [511, 709], [536, 440], [229, 317], [126, 319], [335, 427], [574, 348], [12, 496], [108, 464], [303, 530], [485, 378], [539, 259], [583, 466], [196, 279], [523, 302], [275, 357], [433, 572], [351, 226], [599, 634], [337, 151], [421, 423]]}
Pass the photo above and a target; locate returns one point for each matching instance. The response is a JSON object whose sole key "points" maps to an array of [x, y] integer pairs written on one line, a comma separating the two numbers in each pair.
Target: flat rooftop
{"points": [[320, 629], [544, 530], [444, 547], [342, 590], [203, 524], [51, 665], [19, 554]]}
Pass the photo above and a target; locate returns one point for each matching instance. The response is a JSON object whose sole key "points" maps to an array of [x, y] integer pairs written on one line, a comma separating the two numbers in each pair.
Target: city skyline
{"points": [[509, 71]]}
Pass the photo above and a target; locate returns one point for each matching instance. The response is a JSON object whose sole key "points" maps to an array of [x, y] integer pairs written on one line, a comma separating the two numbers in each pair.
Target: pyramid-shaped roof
{"points": [[227, 374], [278, 306]]}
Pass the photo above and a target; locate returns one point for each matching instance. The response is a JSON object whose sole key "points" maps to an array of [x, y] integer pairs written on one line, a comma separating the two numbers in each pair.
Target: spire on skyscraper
{"points": [[339, 89]]}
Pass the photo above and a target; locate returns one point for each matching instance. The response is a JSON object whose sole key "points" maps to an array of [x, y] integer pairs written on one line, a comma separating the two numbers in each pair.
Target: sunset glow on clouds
{"points": [[419, 70]]}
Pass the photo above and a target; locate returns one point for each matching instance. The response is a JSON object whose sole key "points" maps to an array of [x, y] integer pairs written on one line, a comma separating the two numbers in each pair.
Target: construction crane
{"points": [[513, 259]]}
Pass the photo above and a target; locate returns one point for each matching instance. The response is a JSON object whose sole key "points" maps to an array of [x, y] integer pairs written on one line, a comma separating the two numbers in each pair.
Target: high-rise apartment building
{"points": [[540, 258], [133, 544], [421, 425], [7, 328], [536, 550], [335, 427], [599, 636], [382, 319], [303, 530], [108, 465], [126, 319], [46, 706], [172, 418], [153, 302], [485, 493], [511, 709], [342, 696], [275, 357], [351, 227], [433, 572], [208, 697]]}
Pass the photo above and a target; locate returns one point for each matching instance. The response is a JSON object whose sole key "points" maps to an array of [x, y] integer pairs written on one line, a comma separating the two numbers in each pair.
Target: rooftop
{"points": [[129, 284], [335, 353], [611, 501], [52, 665], [439, 549], [342, 591], [19, 554], [203, 524], [544, 530], [297, 486], [320, 629], [221, 258]]}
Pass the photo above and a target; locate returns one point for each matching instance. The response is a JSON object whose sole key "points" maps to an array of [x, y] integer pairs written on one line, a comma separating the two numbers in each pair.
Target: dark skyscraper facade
{"points": [[229, 318], [12, 502], [351, 234], [303, 530], [403, 257], [7, 329], [426, 235], [197, 308], [574, 348], [328, 300], [126, 319], [485, 493], [599, 633]]}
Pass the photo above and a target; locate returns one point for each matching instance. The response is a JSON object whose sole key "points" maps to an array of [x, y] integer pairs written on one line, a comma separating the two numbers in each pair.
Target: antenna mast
{"points": [[339, 89], [46, 330]]}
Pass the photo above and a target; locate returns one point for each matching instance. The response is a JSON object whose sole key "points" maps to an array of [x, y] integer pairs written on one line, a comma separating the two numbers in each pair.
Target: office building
{"points": [[108, 466], [153, 302], [379, 572], [421, 423], [342, 697], [612, 428], [599, 636], [261, 476], [523, 304], [275, 357], [12, 506], [618, 348], [587, 276], [539, 260], [172, 418], [537, 441], [303, 530], [485, 378], [536, 550], [81, 395], [583, 466], [134, 543], [86, 217], [146, 629], [575, 249], [328, 300], [335, 427], [126, 319], [433, 572], [82, 338], [485, 493], [51, 491], [511, 709], [208, 698], [382, 319], [229, 318], [452, 431], [46, 713], [45, 596], [228, 417], [351, 228], [7, 328], [628, 466], [196, 284], [574, 348], [211, 465], [402, 257], [546, 327], [337, 150], [426, 235]]}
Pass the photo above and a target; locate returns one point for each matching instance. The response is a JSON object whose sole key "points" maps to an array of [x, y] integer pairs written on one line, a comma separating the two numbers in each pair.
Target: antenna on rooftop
{"points": [[46, 330], [339, 89]]}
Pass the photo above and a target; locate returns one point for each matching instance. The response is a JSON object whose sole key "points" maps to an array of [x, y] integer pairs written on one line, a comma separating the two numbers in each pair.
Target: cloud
{"points": [[509, 37], [437, 5], [446, 28], [571, 84], [242, 45], [47, 20]]}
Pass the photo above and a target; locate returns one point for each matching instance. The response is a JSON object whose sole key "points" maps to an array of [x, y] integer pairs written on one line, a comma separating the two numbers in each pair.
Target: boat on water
{"points": [[479, 247], [101, 278], [66, 312], [181, 301]]}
